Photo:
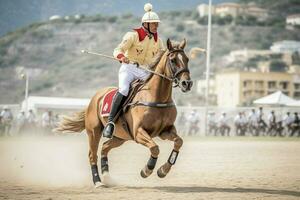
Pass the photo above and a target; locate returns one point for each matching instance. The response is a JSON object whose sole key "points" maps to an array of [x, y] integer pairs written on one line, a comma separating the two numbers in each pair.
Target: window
{"points": [[247, 83], [271, 84], [259, 84], [297, 95], [284, 85]]}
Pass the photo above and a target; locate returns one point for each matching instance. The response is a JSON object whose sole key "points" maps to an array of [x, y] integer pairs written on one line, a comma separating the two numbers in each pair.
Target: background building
{"points": [[203, 10], [201, 90], [238, 88], [58, 104], [234, 10], [285, 46], [293, 19]]}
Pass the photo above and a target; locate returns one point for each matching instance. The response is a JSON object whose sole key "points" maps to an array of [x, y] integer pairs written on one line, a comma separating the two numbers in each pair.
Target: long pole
{"points": [[144, 67], [26, 92], [207, 64]]}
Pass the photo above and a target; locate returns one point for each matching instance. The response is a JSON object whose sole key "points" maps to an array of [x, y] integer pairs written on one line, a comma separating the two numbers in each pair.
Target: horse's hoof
{"points": [[108, 181], [146, 172], [160, 173], [143, 174], [98, 184]]}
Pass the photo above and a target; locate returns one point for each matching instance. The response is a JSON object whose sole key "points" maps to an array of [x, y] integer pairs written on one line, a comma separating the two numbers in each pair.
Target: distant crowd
{"points": [[26, 122], [254, 123]]}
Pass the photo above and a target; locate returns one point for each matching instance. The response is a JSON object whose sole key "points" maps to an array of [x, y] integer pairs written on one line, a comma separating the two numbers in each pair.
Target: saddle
{"points": [[135, 87]]}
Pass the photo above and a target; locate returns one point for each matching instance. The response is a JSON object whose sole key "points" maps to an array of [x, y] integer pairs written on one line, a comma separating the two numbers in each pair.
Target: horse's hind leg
{"points": [[106, 147], [172, 136], [143, 138], [94, 136]]}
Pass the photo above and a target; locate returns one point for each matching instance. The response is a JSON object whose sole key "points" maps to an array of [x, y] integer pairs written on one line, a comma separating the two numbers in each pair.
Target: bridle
{"points": [[174, 68], [175, 71]]}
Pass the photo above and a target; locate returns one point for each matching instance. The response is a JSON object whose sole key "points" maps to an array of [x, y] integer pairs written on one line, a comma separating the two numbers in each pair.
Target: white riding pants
{"points": [[129, 73]]}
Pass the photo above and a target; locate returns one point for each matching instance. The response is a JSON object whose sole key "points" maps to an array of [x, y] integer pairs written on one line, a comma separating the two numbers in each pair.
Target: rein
{"points": [[174, 79], [153, 72], [175, 72], [173, 69], [152, 104]]}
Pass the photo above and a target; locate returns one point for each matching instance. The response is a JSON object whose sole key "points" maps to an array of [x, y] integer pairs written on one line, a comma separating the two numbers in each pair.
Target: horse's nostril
{"points": [[186, 84]]}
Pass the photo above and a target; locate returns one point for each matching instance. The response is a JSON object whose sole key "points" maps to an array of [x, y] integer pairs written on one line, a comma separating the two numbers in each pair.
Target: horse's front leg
{"points": [[172, 136], [142, 137]]}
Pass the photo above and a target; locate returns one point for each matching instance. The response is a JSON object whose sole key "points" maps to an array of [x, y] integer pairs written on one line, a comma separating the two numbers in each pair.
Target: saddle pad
{"points": [[106, 103]]}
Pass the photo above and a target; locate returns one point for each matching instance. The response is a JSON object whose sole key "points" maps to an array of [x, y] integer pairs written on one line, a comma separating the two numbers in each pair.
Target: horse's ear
{"points": [[169, 44], [182, 44]]}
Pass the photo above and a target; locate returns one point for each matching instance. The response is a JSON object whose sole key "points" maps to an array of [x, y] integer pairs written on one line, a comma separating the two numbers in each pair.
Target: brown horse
{"points": [[153, 116]]}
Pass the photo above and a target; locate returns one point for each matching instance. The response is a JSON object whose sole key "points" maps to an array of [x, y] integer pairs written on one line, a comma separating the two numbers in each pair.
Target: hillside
{"points": [[279, 8], [53, 50], [19, 13]]}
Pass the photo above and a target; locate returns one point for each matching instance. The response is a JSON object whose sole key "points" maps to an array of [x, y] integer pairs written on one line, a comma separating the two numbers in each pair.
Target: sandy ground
{"points": [[53, 168]]}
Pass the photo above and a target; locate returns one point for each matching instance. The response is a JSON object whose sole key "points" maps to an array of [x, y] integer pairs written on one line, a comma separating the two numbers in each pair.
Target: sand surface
{"points": [[53, 168]]}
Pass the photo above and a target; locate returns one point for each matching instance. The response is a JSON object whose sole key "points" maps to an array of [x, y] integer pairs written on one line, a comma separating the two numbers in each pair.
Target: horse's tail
{"points": [[74, 123]]}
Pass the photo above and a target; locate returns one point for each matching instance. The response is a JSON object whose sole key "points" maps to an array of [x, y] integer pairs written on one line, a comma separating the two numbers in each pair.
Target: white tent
{"points": [[275, 99], [294, 104], [56, 103]]}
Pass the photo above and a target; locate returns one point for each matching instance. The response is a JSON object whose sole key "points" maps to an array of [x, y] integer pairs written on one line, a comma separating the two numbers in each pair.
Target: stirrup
{"points": [[109, 130]]}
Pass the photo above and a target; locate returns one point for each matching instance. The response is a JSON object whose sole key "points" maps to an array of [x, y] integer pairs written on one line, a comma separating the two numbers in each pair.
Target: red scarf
{"points": [[143, 33]]}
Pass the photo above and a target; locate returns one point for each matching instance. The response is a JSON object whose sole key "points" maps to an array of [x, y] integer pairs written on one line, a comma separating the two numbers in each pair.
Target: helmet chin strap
{"points": [[148, 28]]}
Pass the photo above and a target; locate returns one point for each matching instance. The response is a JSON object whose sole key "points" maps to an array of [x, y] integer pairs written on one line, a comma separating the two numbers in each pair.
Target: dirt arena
{"points": [[51, 168]]}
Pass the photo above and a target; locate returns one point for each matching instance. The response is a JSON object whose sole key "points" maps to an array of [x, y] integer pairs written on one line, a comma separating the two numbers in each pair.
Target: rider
{"points": [[272, 122], [138, 46], [212, 123], [223, 124]]}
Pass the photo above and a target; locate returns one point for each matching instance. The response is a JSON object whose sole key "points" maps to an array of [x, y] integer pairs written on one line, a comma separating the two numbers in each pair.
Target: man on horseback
{"points": [[139, 46]]}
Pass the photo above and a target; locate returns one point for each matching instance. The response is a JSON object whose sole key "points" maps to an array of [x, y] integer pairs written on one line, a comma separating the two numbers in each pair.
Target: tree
{"points": [[203, 20], [112, 19], [296, 58], [278, 66], [180, 28], [228, 19]]}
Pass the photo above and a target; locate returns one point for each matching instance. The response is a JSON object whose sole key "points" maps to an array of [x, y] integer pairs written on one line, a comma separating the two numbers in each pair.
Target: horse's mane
{"points": [[154, 64], [158, 56], [156, 59]]}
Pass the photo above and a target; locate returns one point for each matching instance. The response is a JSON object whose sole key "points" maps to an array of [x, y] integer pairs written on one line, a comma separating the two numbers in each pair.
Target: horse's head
{"points": [[177, 63]]}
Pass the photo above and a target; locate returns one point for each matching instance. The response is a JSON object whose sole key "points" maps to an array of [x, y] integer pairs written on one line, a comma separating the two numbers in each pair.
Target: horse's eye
{"points": [[173, 61]]}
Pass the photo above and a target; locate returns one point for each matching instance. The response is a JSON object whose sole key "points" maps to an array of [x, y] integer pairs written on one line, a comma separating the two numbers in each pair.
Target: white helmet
{"points": [[149, 16]]}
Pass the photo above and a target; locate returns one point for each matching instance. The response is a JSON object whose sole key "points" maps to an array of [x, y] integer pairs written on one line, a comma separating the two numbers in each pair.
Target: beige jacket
{"points": [[138, 47]]}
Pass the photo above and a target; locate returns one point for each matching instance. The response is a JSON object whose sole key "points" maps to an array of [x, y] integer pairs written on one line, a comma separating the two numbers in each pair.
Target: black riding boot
{"points": [[116, 104]]}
